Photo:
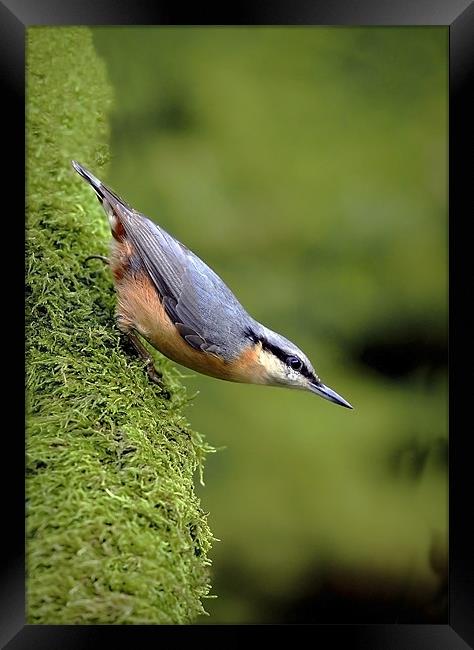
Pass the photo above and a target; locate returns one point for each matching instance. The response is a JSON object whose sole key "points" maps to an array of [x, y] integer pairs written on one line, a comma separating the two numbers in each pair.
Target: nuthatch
{"points": [[183, 309]]}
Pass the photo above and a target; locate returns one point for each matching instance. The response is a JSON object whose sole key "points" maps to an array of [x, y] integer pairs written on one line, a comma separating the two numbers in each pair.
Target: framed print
{"points": [[282, 200]]}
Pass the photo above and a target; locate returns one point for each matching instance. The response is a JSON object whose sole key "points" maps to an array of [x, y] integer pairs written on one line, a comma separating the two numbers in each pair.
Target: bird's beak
{"points": [[328, 393]]}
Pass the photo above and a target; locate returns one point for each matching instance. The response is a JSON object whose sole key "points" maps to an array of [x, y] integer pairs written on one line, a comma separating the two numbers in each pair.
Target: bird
{"points": [[176, 302]]}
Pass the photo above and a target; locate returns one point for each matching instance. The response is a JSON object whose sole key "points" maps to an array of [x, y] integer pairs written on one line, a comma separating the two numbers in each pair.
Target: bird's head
{"points": [[282, 363]]}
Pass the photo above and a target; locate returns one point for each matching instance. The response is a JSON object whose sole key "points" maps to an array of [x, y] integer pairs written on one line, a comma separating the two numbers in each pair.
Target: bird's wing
{"points": [[204, 310]]}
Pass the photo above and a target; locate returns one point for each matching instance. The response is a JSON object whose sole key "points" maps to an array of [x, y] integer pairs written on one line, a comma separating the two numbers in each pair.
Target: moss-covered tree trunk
{"points": [[115, 532]]}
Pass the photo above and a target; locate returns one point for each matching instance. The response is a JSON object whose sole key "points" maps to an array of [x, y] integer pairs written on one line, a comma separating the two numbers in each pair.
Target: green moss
{"points": [[115, 532]]}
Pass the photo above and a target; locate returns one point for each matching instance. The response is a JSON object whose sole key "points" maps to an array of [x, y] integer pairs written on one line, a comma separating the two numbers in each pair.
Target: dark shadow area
{"points": [[334, 603], [399, 352]]}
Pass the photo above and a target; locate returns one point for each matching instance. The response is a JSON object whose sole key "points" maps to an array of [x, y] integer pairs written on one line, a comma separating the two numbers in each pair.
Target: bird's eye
{"points": [[294, 363]]}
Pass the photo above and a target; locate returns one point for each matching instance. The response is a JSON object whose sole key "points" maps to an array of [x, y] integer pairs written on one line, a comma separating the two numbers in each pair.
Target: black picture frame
{"points": [[458, 17]]}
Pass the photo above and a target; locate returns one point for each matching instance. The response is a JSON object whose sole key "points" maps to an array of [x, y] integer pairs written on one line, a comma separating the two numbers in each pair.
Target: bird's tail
{"points": [[111, 202], [102, 191]]}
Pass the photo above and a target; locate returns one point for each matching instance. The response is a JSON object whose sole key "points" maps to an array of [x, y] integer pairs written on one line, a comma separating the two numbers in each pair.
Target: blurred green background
{"points": [[308, 167]]}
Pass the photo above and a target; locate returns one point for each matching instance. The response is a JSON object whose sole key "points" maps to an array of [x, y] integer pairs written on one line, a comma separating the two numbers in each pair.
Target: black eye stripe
{"points": [[266, 345], [278, 352]]}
